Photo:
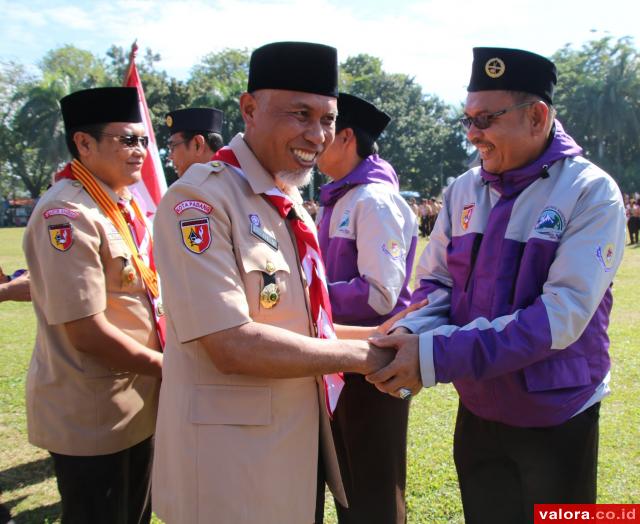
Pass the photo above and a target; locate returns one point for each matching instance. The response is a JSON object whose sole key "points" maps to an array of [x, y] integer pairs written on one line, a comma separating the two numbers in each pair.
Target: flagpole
{"points": [[132, 61]]}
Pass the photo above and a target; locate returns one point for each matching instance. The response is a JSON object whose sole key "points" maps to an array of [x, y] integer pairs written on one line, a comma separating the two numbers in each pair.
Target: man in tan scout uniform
{"points": [[196, 134], [93, 380], [242, 414]]}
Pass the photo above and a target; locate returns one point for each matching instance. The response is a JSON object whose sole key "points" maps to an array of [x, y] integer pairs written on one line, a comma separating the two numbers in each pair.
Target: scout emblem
{"points": [[196, 234], [465, 218], [61, 236], [494, 68], [255, 220], [169, 121], [269, 296], [393, 249], [606, 256]]}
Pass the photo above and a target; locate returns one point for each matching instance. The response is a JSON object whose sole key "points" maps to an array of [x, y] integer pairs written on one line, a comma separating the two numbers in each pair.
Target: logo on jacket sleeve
{"points": [[465, 217], [61, 236], [196, 234], [393, 249], [550, 223], [606, 256]]}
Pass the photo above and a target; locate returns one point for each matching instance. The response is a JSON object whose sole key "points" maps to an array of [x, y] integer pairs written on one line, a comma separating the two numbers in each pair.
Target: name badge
{"points": [[260, 233]]}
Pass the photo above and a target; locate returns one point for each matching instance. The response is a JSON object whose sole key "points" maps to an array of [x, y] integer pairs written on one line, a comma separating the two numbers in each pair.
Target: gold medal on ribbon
{"points": [[269, 296]]}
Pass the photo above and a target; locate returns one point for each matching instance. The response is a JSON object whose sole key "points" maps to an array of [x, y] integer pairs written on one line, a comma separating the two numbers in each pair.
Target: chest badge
{"points": [[196, 235], [465, 217], [260, 233], [269, 296], [550, 223], [61, 236]]}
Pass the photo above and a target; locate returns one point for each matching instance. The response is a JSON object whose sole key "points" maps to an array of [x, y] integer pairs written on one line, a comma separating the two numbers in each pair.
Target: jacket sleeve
{"points": [[589, 253], [384, 239]]}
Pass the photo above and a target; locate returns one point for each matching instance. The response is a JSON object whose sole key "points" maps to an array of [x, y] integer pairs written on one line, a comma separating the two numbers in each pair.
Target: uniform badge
{"points": [[550, 223], [494, 68], [606, 256], [465, 217], [343, 226], [169, 121], [393, 249], [181, 207], [61, 236], [196, 234], [63, 211], [255, 220], [269, 296], [270, 267], [260, 233]]}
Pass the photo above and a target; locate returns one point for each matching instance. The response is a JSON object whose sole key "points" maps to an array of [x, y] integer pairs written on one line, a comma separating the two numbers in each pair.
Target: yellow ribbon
{"points": [[111, 210]]}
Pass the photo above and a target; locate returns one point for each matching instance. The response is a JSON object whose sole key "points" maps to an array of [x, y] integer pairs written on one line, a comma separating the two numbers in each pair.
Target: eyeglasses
{"points": [[484, 121], [131, 140], [172, 145]]}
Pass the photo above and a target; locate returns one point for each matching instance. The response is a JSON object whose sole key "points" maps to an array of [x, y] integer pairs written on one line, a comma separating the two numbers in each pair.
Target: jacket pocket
{"points": [[231, 405], [555, 373]]}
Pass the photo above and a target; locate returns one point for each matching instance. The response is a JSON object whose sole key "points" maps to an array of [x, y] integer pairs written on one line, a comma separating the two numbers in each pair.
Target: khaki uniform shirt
{"points": [[232, 448], [76, 404]]}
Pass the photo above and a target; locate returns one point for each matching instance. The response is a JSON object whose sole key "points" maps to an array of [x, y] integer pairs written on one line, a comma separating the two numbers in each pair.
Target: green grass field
{"points": [[28, 485]]}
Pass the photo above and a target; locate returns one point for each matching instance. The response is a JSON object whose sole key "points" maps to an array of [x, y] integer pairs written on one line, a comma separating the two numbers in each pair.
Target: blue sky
{"points": [[428, 39]]}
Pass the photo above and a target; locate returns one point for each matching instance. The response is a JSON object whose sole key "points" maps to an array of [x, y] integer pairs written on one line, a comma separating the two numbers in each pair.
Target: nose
{"points": [[473, 133], [315, 133]]}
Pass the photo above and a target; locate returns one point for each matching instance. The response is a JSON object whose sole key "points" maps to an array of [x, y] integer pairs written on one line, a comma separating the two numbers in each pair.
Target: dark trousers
{"points": [[634, 226], [106, 489], [504, 470], [370, 432]]}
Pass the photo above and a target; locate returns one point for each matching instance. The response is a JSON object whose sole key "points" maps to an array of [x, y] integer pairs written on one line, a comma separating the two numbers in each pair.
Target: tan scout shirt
{"points": [[232, 448], [77, 405]]}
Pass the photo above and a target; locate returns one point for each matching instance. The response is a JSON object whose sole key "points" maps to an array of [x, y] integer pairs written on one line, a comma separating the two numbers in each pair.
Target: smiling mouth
{"points": [[303, 156]]}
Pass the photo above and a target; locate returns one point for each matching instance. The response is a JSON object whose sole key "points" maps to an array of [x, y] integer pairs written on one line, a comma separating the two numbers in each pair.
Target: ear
{"points": [[346, 135], [248, 106], [538, 115], [84, 142], [198, 140]]}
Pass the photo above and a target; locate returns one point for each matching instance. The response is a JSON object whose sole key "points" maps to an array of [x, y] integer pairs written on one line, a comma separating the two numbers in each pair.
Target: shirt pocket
{"points": [[557, 373], [262, 266], [230, 405]]}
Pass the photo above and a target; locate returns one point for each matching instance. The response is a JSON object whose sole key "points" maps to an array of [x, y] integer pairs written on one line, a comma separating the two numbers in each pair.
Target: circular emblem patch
{"points": [[494, 68], [169, 120]]}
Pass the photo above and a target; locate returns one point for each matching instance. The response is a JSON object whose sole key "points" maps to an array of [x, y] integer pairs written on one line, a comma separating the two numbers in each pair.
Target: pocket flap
{"points": [[260, 257], [233, 405], [556, 373]]}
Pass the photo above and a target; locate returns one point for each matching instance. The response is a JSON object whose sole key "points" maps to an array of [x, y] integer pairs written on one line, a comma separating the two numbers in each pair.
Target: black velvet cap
{"points": [[496, 68], [295, 66], [100, 106], [356, 112], [195, 119]]}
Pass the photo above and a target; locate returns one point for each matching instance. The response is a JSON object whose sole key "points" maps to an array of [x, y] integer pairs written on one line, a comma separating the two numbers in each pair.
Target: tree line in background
{"points": [[597, 100]]}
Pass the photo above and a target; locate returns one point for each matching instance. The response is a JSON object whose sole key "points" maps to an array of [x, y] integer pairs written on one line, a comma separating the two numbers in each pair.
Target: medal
{"points": [[269, 296], [128, 275]]}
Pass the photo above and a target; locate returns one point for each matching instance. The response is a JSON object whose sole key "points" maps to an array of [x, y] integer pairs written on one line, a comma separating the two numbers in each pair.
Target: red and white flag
{"points": [[153, 184]]}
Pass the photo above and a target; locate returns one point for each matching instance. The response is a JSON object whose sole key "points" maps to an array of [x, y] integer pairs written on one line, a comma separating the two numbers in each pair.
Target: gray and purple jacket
{"points": [[518, 273], [368, 237]]}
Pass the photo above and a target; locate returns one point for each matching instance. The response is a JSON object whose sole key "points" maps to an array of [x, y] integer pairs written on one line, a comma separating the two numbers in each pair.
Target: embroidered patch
{"points": [[393, 249], [343, 226], [550, 223], [606, 256], [255, 220], [260, 233], [465, 217], [61, 236], [181, 207], [196, 234], [69, 213]]}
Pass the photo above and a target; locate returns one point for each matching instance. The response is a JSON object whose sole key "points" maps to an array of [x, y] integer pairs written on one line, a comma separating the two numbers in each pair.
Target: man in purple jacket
{"points": [[518, 274], [367, 236]]}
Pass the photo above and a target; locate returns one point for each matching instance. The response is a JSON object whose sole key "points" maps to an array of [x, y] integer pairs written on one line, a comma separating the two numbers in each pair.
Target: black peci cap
{"points": [[100, 106], [496, 68], [295, 66], [195, 119], [357, 113]]}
